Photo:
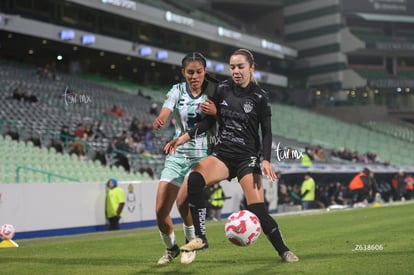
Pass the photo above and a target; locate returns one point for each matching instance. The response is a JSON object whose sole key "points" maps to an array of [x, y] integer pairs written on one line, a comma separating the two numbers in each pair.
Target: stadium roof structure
{"points": [[386, 17], [186, 24], [85, 31]]}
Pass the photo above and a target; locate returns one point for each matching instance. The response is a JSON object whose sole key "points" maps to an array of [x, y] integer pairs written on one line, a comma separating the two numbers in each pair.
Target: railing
{"points": [[49, 174]]}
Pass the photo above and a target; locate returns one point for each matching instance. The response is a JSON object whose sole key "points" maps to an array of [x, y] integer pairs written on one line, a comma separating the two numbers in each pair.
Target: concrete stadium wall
{"points": [[40, 210]]}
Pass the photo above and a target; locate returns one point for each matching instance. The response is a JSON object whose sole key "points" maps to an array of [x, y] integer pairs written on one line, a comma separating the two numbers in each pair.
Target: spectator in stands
{"points": [[386, 190], [307, 157], [307, 191], [154, 108], [65, 135], [322, 198], [359, 187], [283, 197], [319, 154], [127, 140], [295, 195], [98, 131], [409, 186], [340, 194], [139, 93], [69, 141], [29, 97], [88, 132], [115, 202], [138, 143], [79, 132], [118, 151], [148, 136], [373, 187], [116, 111], [185, 101], [17, 95], [133, 127], [399, 186]]}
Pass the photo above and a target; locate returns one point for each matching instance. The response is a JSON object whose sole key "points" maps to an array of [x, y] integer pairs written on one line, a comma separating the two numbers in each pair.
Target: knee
{"points": [[181, 203], [196, 183], [161, 212]]}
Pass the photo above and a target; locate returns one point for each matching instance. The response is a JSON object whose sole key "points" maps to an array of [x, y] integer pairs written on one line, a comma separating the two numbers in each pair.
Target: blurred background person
{"points": [[216, 201], [115, 202], [359, 188], [307, 192]]}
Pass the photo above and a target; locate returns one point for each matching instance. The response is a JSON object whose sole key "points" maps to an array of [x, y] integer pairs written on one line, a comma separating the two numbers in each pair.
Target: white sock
{"points": [[189, 232], [168, 240]]}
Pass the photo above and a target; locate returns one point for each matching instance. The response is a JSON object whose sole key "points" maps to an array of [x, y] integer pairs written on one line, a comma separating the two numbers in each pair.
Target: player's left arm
{"points": [[266, 127], [201, 127]]}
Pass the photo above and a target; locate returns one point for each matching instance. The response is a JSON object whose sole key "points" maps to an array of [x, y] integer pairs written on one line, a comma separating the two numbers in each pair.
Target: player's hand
{"points": [[158, 123], [208, 107], [171, 146], [268, 170]]}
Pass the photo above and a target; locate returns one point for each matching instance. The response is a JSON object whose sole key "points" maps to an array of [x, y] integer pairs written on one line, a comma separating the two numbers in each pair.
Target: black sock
{"points": [[269, 226], [197, 203]]}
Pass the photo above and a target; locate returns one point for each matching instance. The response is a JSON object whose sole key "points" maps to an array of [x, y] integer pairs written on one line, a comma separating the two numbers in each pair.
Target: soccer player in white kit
{"points": [[185, 101]]}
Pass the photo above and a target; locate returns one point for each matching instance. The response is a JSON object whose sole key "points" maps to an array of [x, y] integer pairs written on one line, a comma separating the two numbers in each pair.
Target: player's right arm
{"points": [[160, 120], [170, 101]]}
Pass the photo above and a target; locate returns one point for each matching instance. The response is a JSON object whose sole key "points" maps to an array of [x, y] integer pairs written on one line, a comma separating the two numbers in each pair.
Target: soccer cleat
{"points": [[290, 257], [194, 244], [169, 255], [187, 257]]}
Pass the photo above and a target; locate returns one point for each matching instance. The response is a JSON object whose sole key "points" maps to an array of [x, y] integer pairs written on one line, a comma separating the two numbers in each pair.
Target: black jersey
{"points": [[241, 112]]}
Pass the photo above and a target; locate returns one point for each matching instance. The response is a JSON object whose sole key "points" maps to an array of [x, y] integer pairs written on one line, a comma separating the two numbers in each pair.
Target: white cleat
{"points": [[194, 244], [169, 256], [290, 257], [187, 257]]}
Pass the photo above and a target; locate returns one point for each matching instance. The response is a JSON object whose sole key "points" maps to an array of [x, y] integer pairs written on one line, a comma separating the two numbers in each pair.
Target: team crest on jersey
{"points": [[248, 106]]}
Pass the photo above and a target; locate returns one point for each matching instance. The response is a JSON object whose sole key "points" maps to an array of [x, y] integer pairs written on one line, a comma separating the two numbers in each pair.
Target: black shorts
{"points": [[239, 167]]}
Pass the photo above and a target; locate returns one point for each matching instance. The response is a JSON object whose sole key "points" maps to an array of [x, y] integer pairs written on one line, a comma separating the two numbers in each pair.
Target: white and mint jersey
{"points": [[186, 112]]}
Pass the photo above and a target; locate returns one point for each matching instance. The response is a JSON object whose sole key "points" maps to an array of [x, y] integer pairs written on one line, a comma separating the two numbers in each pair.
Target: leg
{"points": [[217, 214], [182, 204], [113, 223], [253, 190], [166, 194], [187, 257], [209, 170]]}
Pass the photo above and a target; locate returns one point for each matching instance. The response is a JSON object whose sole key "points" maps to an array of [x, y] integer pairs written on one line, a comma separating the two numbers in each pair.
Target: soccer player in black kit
{"points": [[242, 108]]}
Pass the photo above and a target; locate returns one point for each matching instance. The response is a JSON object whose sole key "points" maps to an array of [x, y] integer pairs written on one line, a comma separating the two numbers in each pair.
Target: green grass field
{"points": [[339, 242]]}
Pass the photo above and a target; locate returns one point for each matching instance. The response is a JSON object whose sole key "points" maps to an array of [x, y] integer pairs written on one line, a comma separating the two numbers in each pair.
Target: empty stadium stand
{"points": [[87, 103], [36, 126]]}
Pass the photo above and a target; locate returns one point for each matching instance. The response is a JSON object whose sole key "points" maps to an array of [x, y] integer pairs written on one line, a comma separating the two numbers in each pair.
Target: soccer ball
{"points": [[242, 228], [7, 231]]}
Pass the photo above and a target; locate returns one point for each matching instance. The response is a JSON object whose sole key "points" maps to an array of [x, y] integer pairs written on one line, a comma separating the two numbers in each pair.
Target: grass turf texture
{"points": [[336, 242]]}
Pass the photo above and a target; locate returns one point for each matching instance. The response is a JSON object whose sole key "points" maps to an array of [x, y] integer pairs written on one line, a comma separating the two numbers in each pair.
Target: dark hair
{"points": [[194, 56], [250, 59]]}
